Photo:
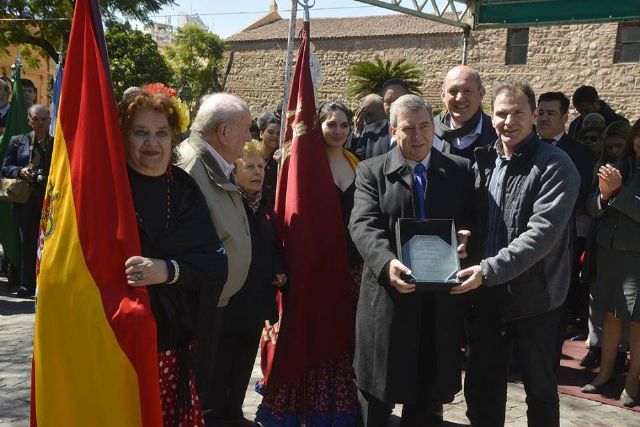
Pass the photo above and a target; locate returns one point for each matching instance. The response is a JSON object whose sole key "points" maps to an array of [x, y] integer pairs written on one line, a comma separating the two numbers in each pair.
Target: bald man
{"points": [[375, 138], [463, 126], [371, 110]]}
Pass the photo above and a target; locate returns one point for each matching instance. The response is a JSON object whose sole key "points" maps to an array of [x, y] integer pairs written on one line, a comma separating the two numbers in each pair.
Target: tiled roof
{"points": [[337, 28]]}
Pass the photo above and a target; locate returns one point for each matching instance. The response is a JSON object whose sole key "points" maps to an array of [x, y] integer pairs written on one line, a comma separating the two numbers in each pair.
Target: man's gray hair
{"points": [[35, 108], [217, 108], [409, 103]]}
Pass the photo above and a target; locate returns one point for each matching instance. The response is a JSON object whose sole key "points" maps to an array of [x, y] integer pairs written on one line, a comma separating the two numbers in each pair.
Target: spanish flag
{"points": [[95, 355]]}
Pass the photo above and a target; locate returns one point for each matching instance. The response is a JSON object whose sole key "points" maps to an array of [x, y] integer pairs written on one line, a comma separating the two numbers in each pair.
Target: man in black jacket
{"points": [[407, 341], [586, 100], [523, 189], [463, 127], [553, 113]]}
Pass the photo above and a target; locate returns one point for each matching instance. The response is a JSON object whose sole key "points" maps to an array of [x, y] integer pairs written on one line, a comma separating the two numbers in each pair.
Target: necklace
{"points": [[168, 213]]}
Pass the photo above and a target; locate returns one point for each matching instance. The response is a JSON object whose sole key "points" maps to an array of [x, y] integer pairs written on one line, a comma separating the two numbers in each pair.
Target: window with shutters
{"points": [[628, 43], [517, 46]]}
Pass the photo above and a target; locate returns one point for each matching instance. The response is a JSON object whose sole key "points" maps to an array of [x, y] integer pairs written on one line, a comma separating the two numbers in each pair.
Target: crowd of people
{"points": [[547, 221]]}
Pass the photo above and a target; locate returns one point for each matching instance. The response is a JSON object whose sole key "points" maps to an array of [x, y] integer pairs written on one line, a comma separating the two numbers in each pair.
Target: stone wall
{"points": [[560, 58]]}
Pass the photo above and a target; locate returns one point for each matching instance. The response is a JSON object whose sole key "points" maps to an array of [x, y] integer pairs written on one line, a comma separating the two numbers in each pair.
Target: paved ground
{"points": [[16, 328]]}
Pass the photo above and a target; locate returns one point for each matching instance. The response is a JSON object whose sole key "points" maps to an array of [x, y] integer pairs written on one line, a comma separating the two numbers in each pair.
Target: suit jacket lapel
{"points": [[25, 144], [435, 174], [395, 164], [396, 170], [210, 164], [564, 143]]}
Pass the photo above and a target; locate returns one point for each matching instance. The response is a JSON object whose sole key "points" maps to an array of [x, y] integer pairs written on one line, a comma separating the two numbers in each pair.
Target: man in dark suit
{"points": [[375, 138], [586, 100], [464, 126], [29, 157], [553, 114], [407, 341]]}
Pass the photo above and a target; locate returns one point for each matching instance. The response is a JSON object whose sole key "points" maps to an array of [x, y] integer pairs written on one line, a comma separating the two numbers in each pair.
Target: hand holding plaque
{"points": [[429, 248]]}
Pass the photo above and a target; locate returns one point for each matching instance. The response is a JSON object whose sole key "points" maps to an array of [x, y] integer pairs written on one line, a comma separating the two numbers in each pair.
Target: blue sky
{"points": [[226, 17]]}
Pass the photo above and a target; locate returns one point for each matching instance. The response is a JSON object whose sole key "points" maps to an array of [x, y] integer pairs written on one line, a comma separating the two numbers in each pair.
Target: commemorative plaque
{"points": [[430, 249]]}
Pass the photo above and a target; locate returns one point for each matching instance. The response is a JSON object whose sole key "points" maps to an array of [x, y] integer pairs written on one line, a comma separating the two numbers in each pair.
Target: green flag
{"points": [[16, 124]]}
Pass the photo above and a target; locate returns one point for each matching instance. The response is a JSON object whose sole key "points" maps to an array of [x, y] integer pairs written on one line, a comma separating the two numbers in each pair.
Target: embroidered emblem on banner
{"points": [[47, 220], [299, 129]]}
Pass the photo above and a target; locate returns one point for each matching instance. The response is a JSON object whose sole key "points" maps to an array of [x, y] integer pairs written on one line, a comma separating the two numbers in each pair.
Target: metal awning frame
{"points": [[458, 13], [465, 14]]}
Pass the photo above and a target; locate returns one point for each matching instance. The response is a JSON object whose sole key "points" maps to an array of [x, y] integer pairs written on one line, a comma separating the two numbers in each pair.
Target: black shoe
{"points": [[579, 336], [24, 292], [629, 401], [604, 388], [621, 362], [592, 358]]}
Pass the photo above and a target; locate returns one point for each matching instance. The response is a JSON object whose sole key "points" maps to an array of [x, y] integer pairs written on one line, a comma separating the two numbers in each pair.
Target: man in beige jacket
{"points": [[218, 135]]}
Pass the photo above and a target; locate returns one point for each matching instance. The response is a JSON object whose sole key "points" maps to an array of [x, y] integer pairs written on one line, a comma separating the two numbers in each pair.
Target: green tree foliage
{"points": [[195, 56], [134, 59], [368, 76], [45, 24]]}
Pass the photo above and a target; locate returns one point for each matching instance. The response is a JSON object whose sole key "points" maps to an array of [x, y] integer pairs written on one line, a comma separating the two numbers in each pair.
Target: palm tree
{"points": [[368, 76]]}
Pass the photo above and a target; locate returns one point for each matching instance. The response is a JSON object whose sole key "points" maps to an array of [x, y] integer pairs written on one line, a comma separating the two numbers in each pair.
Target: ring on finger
{"points": [[139, 276]]}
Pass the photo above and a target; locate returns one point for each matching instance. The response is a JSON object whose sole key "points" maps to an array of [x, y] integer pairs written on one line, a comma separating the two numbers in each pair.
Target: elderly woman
{"points": [[617, 203], [255, 304], [325, 395], [182, 262], [269, 125]]}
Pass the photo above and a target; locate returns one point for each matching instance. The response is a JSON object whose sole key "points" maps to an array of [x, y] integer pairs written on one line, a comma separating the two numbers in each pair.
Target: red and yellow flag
{"points": [[95, 352]]}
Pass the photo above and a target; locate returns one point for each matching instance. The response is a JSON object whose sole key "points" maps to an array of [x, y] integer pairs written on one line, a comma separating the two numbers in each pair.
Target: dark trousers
{"points": [[491, 341], [232, 372], [27, 217], [375, 413], [426, 411], [204, 374]]}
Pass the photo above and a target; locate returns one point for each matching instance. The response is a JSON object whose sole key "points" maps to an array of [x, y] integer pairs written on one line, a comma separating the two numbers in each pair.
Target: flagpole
{"points": [[18, 59], [287, 75], [306, 5]]}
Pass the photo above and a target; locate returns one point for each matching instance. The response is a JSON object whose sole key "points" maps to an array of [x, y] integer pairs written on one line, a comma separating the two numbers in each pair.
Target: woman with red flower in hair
{"points": [[182, 264]]}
